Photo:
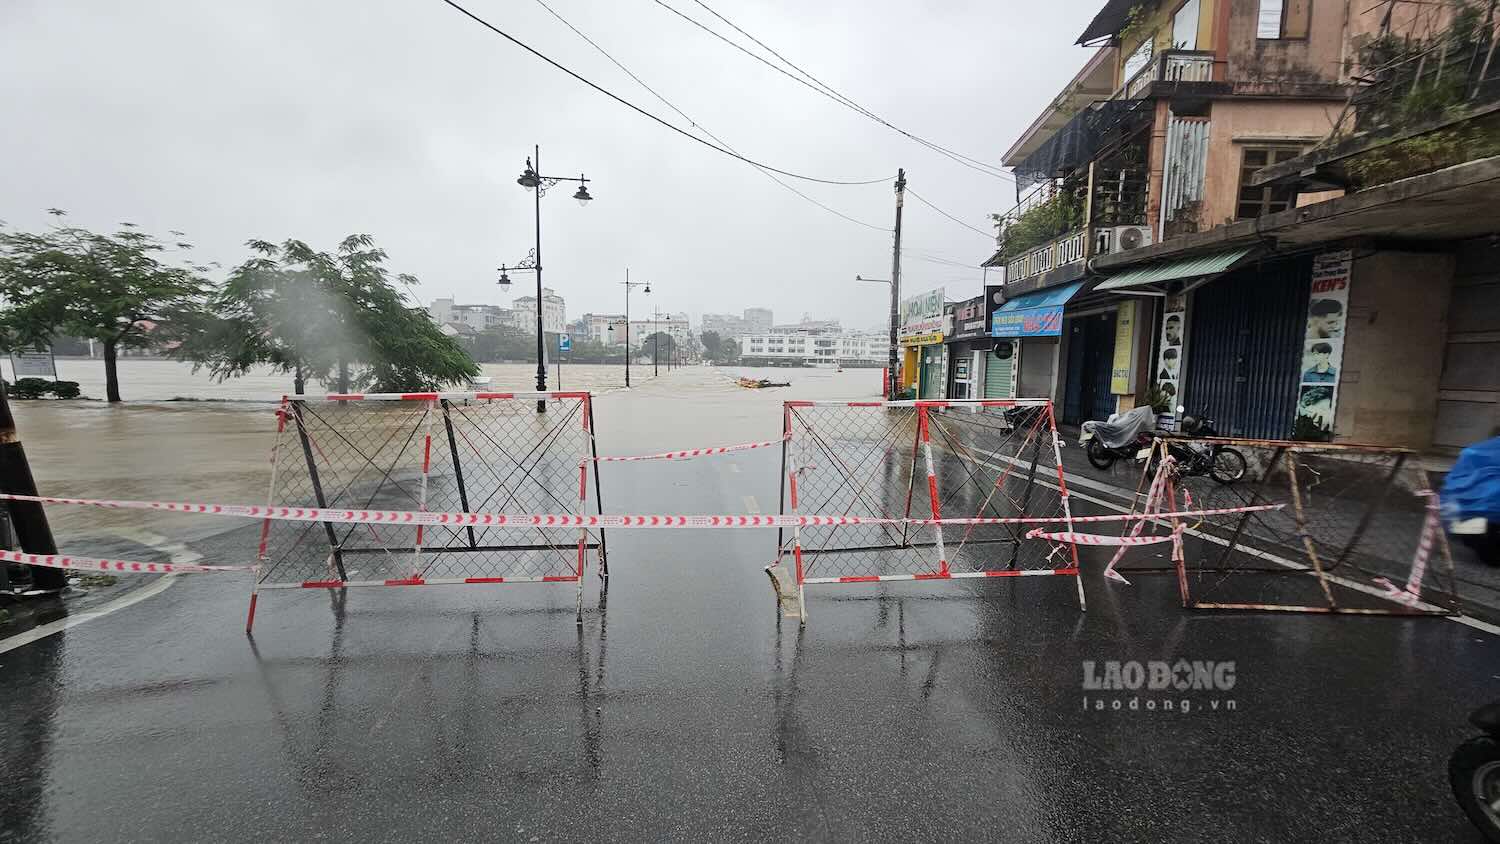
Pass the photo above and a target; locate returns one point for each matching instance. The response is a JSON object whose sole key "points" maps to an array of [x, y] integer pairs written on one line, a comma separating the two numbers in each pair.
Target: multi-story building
{"points": [[601, 328], [807, 326], [475, 317], [758, 320], [1157, 139], [554, 313], [811, 349], [725, 325], [675, 326]]}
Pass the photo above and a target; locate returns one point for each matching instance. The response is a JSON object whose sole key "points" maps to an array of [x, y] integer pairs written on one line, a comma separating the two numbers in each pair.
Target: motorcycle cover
{"points": [[1472, 488], [1122, 428]]}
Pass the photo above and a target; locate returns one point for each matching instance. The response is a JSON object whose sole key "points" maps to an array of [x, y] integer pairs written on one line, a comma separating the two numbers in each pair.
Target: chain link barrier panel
{"points": [[467, 452], [924, 460], [1358, 531]]}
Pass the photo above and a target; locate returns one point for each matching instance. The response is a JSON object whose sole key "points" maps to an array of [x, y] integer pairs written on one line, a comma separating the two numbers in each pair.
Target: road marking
{"points": [[177, 553], [120, 603], [751, 506], [1281, 561]]}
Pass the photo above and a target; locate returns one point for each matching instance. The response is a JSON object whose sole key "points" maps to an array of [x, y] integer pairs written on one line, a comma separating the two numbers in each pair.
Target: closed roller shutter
{"points": [[1000, 373]]}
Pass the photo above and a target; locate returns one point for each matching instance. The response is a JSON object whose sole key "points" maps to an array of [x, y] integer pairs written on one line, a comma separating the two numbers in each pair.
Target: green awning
{"points": [[1214, 264]]}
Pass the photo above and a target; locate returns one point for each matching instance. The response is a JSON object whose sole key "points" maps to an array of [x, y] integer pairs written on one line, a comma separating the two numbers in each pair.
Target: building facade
{"points": [[727, 326], [813, 349], [1158, 143], [758, 320], [554, 313], [474, 317]]}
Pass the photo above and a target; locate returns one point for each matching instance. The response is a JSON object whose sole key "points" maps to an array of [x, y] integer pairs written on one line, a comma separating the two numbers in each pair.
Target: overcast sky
{"points": [[403, 119]]}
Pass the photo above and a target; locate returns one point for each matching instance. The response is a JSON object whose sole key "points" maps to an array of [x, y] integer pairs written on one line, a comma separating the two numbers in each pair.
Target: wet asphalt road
{"points": [[685, 709]]}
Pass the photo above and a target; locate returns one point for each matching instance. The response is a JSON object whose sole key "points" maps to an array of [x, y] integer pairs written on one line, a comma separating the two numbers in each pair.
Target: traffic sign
{"points": [[564, 343]]}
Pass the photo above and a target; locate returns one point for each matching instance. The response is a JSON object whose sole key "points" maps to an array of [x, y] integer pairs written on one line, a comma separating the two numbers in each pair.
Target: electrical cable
{"points": [[668, 103], [972, 164], [633, 107], [978, 163], [919, 198]]}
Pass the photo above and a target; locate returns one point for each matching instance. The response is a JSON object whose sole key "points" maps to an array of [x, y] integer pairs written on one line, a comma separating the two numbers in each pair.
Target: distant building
{"points": [[806, 326], [554, 313], [727, 325], [477, 317], [674, 325], [601, 328], [758, 320], [810, 349]]}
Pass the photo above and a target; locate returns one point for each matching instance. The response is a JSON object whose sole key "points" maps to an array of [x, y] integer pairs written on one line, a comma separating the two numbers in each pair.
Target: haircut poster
{"points": [[1323, 346], [1168, 373]]}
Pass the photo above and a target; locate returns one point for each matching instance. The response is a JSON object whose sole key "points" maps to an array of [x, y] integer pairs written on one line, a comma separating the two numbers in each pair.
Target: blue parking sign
{"points": [[564, 343]]}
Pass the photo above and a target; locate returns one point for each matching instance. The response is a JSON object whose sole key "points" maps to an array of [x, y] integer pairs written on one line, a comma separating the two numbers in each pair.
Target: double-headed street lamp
{"points": [[628, 285], [891, 377], [533, 180]]}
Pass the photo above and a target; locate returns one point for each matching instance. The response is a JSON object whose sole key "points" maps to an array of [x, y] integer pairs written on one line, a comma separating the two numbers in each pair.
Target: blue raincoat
{"points": [[1472, 488]]}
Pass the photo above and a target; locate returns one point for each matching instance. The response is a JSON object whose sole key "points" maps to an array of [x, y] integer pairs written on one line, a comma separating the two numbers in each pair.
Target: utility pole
{"points": [[896, 286], [27, 518], [541, 352]]}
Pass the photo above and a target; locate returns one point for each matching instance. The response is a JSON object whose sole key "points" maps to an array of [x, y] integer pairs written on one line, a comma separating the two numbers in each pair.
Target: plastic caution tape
{"points": [[694, 452], [565, 520], [68, 561], [1095, 539]]}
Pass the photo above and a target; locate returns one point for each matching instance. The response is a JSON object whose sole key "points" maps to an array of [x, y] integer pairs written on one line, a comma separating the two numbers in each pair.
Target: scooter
{"points": [[1131, 435], [1223, 463], [1474, 772], [1471, 500]]}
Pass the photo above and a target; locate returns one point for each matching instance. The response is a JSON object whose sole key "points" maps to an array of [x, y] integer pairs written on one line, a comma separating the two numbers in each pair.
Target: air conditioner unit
{"points": [[1121, 239]]}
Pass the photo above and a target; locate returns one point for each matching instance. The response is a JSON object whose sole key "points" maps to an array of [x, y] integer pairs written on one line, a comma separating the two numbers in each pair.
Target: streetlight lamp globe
{"points": [[648, 288], [583, 196], [504, 281]]}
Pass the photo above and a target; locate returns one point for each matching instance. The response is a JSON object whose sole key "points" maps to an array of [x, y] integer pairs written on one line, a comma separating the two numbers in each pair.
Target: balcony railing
{"points": [[1169, 66]]}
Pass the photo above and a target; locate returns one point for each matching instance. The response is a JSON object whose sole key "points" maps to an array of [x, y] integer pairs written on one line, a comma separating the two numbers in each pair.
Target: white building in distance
{"points": [[554, 313], [474, 318], [812, 348], [758, 320]]}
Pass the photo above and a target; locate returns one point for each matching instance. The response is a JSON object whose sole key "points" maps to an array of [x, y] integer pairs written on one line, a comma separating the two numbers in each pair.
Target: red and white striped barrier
{"points": [[69, 561], [470, 396], [547, 520], [693, 452], [1097, 539]]}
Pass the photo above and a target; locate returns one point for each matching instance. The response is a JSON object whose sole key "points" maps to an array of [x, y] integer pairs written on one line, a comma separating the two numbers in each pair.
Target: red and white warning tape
{"points": [[1095, 539], [548, 520], [68, 561], [694, 452]]}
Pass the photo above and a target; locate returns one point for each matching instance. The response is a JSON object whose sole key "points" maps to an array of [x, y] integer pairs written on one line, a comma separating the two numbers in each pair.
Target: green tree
{"points": [[318, 315], [712, 343], [113, 288]]}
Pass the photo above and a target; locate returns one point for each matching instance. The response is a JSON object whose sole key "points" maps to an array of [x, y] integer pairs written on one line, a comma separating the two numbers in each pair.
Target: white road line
{"points": [[177, 553], [72, 621], [751, 507], [1344, 582]]}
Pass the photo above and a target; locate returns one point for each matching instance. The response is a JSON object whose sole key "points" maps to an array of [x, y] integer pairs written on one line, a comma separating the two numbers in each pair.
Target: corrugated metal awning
{"points": [[1203, 265]]}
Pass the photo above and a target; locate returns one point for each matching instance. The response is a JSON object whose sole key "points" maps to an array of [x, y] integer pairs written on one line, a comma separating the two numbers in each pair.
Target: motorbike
{"points": [[1223, 463], [1474, 772], [1124, 436], [1471, 500]]}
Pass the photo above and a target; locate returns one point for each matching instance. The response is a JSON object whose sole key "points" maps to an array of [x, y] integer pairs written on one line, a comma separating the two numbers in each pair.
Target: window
{"points": [[1185, 27], [1283, 19], [1264, 199], [1137, 60]]}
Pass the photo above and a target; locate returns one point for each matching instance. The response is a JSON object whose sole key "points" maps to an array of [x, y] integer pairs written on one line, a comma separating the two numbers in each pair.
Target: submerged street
{"points": [[685, 706]]}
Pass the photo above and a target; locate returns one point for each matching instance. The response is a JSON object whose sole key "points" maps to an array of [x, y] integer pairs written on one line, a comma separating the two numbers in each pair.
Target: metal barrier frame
{"points": [[291, 411], [789, 495]]}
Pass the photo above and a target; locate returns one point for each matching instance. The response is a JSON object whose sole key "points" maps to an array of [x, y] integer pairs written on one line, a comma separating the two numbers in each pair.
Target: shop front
{"points": [[1027, 330], [920, 335], [969, 347]]}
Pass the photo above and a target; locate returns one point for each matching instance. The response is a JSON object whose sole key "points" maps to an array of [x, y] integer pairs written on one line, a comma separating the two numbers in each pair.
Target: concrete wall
{"points": [[1269, 64], [1237, 123], [1393, 348]]}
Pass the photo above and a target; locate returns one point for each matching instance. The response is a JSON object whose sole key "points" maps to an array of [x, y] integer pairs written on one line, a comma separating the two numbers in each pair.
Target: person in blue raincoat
{"points": [[1471, 491]]}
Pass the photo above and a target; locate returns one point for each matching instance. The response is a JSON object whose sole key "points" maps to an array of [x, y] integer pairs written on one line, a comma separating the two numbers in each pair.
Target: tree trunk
{"points": [[111, 374], [299, 384], [343, 376]]}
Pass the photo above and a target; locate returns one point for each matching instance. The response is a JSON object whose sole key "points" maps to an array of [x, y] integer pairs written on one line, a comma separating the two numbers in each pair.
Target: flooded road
{"points": [[684, 707]]}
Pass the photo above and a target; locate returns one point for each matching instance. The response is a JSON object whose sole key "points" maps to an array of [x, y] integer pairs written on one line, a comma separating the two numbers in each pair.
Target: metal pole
{"points": [[317, 486], [655, 342], [458, 469], [896, 285], [28, 519], [541, 365], [627, 326]]}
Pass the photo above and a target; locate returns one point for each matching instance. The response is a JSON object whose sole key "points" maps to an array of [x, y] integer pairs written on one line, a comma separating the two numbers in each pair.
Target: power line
{"points": [[826, 90], [633, 107], [668, 103], [919, 198]]}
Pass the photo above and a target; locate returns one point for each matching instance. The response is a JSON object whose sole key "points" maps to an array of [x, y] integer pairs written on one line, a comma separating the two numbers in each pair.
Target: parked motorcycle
{"points": [[1471, 499], [1124, 436], [1474, 772], [1221, 462]]}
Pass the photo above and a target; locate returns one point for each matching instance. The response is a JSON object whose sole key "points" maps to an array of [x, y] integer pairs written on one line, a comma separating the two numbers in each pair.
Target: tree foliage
{"points": [[336, 318], [114, 288]]}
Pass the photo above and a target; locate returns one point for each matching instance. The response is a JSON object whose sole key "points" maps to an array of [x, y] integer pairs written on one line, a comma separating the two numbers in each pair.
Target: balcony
{"points": [[1170, 66]]}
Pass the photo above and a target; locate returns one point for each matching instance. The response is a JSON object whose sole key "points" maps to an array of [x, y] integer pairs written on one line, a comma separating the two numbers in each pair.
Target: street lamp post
{"points": [[533, 180], [628, 285], [891, 378]]}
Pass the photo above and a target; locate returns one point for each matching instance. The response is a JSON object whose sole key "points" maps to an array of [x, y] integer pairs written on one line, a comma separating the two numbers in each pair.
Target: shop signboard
{"points": [[33, 363], [922, 318], [1122, 372], [1170, 360], [1323, 346], [969, 320]]}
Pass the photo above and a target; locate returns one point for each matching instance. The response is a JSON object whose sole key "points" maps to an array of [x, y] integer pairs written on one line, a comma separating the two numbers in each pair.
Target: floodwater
{"points": [[217, 447]]}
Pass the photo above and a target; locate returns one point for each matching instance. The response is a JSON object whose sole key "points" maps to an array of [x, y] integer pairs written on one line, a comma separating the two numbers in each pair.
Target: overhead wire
{"points": [[919, 198], [644, 113], [826, 90], [695, 124]]}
